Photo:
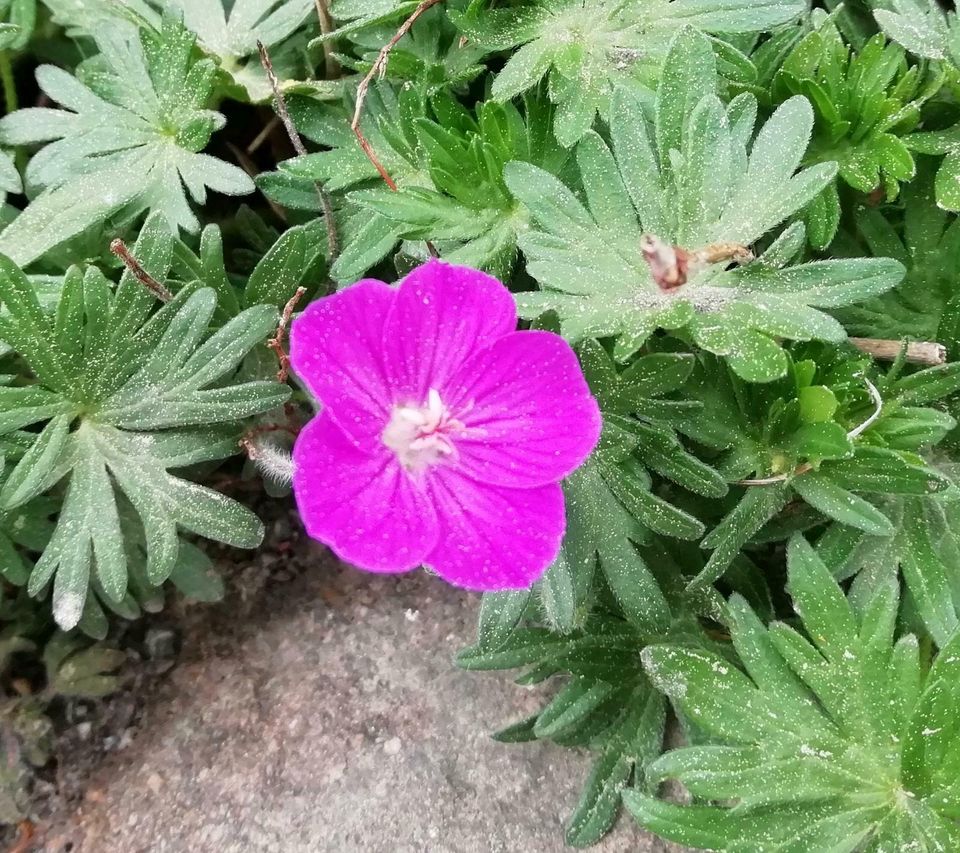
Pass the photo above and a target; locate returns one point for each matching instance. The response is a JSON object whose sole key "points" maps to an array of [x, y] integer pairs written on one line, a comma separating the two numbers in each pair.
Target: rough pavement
{"points": [[324, 714]]}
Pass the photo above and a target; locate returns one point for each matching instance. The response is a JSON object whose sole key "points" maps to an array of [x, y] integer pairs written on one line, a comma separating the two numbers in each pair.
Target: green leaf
{"points": [[37, 469], [600, 530], [275, 278], [500, 613], [817, 403], [652, 511], [927, 577], [557, 595], [878, 471], [820, 441], [757, 506], [689, 73], [916, 29], [663, 453], [570, 706], [930, 385], [636, 738], [820, 602], [152, 150], [932, 731], [837, 503], [524, 646]]}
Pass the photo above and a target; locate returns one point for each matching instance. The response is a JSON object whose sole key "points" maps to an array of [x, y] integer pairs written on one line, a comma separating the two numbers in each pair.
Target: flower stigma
{"points": [[422, 436]]}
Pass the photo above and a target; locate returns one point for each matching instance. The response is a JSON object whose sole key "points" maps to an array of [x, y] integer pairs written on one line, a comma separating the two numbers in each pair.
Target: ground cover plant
{"points": [[672, 375]]}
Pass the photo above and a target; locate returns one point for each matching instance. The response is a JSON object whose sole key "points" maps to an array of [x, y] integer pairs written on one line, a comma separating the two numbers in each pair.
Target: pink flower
{"points": [[444, 431]]}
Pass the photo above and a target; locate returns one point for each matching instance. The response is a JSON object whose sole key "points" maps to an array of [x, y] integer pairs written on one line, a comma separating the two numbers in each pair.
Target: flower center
{"points": [[421, 436]]}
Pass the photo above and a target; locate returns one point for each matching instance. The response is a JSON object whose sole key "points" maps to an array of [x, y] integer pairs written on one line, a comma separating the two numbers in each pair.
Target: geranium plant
{"points": [[642, 318]]}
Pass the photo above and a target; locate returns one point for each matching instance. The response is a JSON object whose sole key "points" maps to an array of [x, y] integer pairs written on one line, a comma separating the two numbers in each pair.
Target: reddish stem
{"points": [[276, 342], [119, 248], [378, 68]]}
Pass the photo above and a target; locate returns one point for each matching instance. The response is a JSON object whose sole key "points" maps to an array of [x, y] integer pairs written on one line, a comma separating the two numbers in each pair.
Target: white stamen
{"points": [[422, 436]]}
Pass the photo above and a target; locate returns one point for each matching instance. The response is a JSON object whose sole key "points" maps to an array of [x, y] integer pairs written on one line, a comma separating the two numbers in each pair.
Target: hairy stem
{"points": [[276, 342]]}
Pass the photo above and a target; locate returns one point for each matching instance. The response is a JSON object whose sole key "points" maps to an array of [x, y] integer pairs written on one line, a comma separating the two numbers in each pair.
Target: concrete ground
{"points": [[318, 709]]}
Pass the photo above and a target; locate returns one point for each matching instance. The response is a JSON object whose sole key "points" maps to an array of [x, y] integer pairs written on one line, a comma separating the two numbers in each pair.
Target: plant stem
{"points": [[918, 352], [326, 27], [280, 105], [9, 84], [136, 269]]}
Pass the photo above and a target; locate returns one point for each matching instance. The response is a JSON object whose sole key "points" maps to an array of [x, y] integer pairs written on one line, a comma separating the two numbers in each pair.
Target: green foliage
{"points": [[133, 127], [706, 197], [693, 180], [390, 129], [923, 27], [470, 211], [588, 47], [865, 102], [432, 58], [230, 33], [926, 240], [606, 704], [836, 737], [124, 394]]}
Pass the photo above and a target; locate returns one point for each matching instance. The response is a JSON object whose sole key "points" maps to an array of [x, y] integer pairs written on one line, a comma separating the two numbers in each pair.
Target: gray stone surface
{"points": [[324, 713]]}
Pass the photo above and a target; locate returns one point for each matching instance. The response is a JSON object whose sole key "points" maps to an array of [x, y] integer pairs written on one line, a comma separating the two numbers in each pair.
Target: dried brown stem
{"points": [[857, 431], [276, 342], [378, 69], [919, 352], [280, 105], [672, 266], [332, 67], [119, 248], [718, 253]]}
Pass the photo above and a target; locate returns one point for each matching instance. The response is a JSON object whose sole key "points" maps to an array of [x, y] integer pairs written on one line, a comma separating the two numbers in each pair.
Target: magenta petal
{"points": [[443, 314], [529, 413], [336, 348], [494, 538], [365, 507]]}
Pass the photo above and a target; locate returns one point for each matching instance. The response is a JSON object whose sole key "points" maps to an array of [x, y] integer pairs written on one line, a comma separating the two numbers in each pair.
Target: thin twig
{"points": [[856, 432], [331, 65], [276, 342], [378, 69], [248, 166], [280, 105], [119, 248], [262, 136], [918, 352]]}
